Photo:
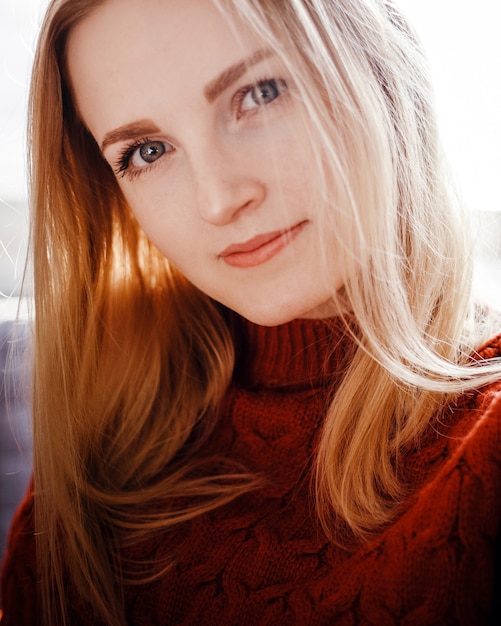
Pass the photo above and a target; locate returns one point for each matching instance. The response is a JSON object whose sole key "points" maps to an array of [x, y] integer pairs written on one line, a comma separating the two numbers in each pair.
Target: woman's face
{"points": [[204, 130]]}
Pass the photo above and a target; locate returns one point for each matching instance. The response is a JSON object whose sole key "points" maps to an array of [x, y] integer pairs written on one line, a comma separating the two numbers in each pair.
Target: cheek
{"points": [[164, 220]]}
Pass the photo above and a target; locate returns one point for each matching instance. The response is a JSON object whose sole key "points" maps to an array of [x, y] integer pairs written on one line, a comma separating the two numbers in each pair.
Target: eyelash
{"points": [[239, 97], [122, 165]]}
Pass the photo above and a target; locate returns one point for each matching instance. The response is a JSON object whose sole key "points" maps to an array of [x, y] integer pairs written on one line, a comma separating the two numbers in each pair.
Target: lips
{"points": [[261, 248]]}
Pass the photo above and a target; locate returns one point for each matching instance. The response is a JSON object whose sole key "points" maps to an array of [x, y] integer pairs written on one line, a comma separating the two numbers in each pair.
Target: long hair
{"points": [[131, 361]]}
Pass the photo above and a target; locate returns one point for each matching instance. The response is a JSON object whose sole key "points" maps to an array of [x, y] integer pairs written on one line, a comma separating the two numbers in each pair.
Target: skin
{"points": [[228, 160]]}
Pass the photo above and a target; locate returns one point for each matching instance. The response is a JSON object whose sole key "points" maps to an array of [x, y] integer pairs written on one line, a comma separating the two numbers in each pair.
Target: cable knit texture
{"points": [[264, 560]]}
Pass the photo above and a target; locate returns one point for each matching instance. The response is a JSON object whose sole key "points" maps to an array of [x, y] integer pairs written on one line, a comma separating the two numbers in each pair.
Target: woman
{"points": [[257, 363]]}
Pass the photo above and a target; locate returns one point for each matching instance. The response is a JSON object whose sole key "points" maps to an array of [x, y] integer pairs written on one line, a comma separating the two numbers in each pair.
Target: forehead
{"points": [[125, 49]]}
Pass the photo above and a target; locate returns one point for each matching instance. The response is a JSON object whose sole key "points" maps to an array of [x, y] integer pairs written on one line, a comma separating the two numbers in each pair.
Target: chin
{"points": [[276, 315]]}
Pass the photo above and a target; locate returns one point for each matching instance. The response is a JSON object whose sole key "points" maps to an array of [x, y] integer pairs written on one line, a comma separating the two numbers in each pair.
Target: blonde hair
{"points": [[131, 361]]}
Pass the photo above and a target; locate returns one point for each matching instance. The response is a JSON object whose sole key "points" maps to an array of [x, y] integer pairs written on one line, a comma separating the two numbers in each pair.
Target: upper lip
{"points": [[256, 242]]}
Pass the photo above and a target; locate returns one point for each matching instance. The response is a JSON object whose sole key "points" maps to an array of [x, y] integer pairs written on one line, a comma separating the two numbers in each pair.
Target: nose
{"points": [[227, 184]]}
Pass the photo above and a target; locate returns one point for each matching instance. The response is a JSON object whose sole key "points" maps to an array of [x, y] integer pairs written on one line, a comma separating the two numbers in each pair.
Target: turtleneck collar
{"points": [[300, 354]]}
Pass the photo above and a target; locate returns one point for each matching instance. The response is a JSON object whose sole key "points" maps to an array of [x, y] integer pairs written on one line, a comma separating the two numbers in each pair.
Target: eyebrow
{"points": [[211, 91], [128, 132], [216, 87]]}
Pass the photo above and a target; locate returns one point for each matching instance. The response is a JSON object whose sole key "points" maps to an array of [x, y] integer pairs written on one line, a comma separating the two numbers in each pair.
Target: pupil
{"points": [[150, 152], [266, 92]]}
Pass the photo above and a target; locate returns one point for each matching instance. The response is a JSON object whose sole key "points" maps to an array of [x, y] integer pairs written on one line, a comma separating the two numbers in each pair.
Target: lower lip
{"points": [[263, 253]]}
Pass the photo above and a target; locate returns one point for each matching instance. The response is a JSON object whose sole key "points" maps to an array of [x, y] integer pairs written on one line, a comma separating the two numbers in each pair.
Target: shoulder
{"points": [[469, 434], [490, 349], [485, 402], [479, 411], [19, 578], [464, 438], [22, 530]]}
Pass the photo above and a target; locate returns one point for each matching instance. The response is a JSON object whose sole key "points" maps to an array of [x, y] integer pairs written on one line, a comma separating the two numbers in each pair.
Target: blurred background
{"points": [[464, 49]]}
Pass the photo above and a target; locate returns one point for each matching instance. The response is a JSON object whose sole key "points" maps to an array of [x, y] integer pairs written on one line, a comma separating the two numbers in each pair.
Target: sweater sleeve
{"points": [[19, 580]]}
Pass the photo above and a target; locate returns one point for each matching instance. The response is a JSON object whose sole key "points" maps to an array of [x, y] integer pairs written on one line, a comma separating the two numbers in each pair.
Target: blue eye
{"points": [[138, 156], [263, 92], [148, 153]]}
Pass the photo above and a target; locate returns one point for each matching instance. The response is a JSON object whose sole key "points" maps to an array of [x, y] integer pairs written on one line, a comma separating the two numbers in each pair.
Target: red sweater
{"points": [[264, 560]]}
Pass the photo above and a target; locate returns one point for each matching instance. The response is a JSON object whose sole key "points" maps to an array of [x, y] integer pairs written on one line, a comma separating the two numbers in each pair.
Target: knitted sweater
{"points": [[263, 559]]}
